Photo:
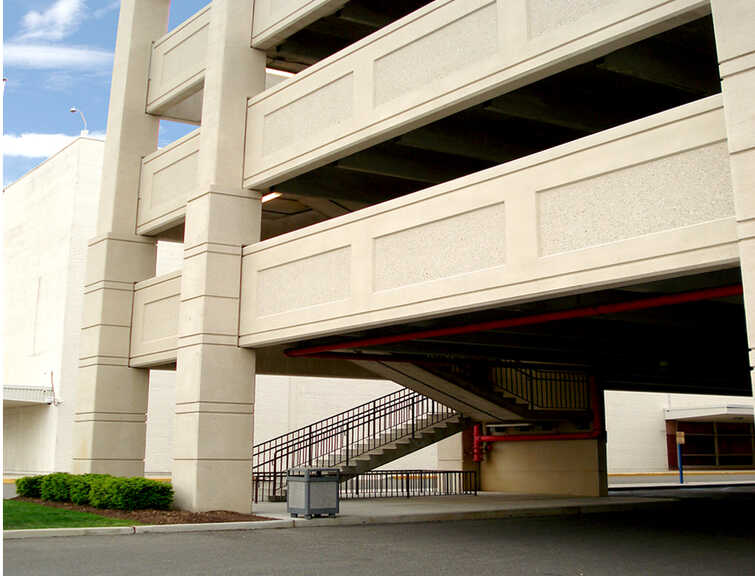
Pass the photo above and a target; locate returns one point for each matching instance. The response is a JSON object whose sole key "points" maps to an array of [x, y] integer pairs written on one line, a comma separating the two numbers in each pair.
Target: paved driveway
{"points": [[698, 538]]}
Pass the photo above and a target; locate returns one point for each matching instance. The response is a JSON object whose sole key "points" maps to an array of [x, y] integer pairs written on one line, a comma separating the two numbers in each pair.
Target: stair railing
{"points": [[539, 388], [337, 440]]}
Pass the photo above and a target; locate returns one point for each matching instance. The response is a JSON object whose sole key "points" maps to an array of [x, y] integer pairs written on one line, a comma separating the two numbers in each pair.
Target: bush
{"points": [[130, 493], [99, 490], [29, 486], [81, 487], [140, 493], [56, 487]]}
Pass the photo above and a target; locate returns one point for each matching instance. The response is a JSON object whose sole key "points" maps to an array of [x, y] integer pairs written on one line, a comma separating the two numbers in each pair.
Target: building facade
{"points": [[509, 206]]}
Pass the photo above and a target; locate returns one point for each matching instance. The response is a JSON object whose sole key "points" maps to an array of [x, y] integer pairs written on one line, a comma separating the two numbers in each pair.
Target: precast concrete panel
{"points": [[649, 198], [178, 64], [168, 179], [442, 58]]}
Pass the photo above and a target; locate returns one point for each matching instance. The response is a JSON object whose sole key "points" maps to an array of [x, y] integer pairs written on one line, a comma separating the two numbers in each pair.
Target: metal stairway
{"points": [[355, 441], [387, 428]]}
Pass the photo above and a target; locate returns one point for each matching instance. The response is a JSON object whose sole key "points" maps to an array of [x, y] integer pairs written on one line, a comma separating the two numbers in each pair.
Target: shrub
{"points": [[81, 487], [29, 486], [101, 491], [140, 493], [130, 493], [56, 487]]}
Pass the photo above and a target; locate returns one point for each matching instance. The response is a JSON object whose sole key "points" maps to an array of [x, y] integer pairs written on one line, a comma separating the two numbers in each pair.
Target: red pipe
{"points": [[632, 305], [597, 429]]}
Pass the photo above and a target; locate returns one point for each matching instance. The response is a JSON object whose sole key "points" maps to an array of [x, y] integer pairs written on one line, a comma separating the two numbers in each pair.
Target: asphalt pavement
{"points": [[694, 537]]}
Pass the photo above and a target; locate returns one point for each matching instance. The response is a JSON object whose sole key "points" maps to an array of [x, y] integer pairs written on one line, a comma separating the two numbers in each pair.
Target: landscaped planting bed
{"points": [[128, 500]]}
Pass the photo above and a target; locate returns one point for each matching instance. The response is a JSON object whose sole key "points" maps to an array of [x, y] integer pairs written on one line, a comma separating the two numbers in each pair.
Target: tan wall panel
{"points": [[168, 179], [178, 62], [275, 20], [155, 320]]}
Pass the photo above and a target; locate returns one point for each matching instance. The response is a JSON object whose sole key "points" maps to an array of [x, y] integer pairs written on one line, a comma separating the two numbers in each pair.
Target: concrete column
{"points": [[109, 426], [559, 467], [734, 22], [215, 378], [575, 467]]}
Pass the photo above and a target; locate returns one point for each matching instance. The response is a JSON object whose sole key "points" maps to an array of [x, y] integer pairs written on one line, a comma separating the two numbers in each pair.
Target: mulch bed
{"points": [[154, 516]]}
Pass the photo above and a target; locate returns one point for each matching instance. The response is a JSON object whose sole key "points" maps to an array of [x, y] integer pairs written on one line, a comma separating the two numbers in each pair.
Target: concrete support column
{"points": [[110, 421], [734, 22], [215, 378], [576, 467], [559, 467]]}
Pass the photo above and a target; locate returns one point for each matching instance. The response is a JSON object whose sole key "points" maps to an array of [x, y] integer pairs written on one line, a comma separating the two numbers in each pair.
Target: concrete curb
{"points": [[523, 512], [214, 526], [55, 532]]}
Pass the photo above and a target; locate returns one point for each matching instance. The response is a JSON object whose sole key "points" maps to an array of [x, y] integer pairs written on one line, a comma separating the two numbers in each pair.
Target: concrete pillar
{"points": [[734, 22], [575, 467], [558, 467], [109, 426], [215, 378]]}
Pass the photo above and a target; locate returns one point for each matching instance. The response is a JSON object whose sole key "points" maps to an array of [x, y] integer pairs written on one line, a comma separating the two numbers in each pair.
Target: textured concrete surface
{"points": [[699, 538]]}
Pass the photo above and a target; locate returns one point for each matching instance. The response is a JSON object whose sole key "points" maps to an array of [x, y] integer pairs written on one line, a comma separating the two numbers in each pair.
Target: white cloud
{"points": [[61, 19], [33, 145], [55, 57], [105, 10]]}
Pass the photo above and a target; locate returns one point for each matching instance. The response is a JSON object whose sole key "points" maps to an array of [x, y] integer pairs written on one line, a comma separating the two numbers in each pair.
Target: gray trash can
{"points": [[313, 492]]}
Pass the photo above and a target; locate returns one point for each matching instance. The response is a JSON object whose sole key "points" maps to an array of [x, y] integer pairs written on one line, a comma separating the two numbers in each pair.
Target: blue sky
{"points": [[58, 54]]}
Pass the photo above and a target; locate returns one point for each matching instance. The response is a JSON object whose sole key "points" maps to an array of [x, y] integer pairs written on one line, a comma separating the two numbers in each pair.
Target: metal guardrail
{"points": [[385, 484], [408, 483], [540, 388], [337, 440]]}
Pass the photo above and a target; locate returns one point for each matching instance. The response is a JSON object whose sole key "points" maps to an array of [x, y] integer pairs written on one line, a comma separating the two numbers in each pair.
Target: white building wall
{"points": [[49, 216], [636, 426]]}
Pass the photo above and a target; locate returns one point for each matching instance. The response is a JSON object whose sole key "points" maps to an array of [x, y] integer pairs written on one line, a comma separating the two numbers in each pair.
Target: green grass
{"points": [[21, 515]]}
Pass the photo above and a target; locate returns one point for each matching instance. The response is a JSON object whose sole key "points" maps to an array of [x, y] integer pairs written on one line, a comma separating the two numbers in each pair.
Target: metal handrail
{"points": [[540, 389]]}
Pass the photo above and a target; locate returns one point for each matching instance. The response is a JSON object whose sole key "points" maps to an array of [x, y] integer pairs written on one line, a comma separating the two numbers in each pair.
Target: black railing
{"points": [[537, 388], [387, 484], [336, 441], [408, 483]]}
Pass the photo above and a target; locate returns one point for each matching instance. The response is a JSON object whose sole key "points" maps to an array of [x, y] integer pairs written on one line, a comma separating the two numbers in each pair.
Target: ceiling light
{"points": [[271, 196]]}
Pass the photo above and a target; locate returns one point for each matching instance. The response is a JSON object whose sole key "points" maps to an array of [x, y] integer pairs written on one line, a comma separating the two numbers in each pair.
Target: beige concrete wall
{"points": [[168, 178], [445, 56], [564, 467], [49, 214], [274, 20], [155, 320], [649, 198], [177, 66], [733, 22]]}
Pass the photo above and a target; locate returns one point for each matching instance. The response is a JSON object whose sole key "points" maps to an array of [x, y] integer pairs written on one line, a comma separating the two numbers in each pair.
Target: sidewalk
{"points": [[486, 505], [671, 479]]}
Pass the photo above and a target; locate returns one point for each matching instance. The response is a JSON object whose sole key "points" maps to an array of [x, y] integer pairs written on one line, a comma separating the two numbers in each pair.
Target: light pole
{"points": [[73, 110]]}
